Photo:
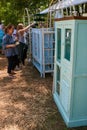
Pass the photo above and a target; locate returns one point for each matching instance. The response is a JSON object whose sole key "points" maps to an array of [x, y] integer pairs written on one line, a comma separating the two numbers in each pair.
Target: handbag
{"points": [[17, 43]]}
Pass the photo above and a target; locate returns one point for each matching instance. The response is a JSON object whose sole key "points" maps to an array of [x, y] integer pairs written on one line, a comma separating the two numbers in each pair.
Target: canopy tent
{"points": [[63, 4], [44, 11]]}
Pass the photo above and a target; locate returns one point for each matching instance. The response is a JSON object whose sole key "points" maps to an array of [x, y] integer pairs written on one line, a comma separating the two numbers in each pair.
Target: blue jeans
{"points": [[11, 64]]}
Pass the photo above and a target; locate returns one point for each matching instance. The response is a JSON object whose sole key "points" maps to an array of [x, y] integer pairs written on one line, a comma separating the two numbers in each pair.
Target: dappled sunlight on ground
{"points": [[11, 127], [26, 103], [23, 100]]}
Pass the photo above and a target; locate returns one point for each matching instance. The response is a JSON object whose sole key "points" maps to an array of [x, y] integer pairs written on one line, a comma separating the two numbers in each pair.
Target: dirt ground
{"points": [[26, 103]]}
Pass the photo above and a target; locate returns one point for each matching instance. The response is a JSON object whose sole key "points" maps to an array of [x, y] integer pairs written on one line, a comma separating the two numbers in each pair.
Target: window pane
{"points": [[58, 81], [67, 43], [58, 73], [59, 44]]}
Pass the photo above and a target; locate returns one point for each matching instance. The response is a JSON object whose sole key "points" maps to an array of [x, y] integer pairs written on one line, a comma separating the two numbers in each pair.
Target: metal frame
{"points": [[39, 58], [27, 16]]}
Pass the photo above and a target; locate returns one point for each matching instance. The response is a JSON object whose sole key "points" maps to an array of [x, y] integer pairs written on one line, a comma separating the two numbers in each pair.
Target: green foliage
{"points": [[11, 11]]}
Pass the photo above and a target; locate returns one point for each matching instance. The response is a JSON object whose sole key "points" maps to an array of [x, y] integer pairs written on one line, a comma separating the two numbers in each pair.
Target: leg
{"points": [[10, 64], [21, 51], [24, 53]]}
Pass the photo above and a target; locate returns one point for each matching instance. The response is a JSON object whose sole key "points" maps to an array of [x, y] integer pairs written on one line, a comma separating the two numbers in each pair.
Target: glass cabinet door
{"points": [[67, 44], [59, 45], [58, 80]]}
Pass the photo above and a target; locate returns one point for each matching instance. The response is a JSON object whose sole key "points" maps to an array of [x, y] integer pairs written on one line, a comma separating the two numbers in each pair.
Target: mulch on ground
{"points": [[26, 103]]}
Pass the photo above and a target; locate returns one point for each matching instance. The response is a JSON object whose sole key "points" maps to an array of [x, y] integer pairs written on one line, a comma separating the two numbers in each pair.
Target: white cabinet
{"points": [[43, 44]]}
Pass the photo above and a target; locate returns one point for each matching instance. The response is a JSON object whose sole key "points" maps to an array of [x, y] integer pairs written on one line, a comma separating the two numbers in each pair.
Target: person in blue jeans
{"points": [[10, 49], [23, 47]]}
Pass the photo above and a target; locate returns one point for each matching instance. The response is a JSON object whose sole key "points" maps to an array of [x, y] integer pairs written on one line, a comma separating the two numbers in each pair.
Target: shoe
{"points": [[23, 66], [17, 69], [11, 76], [13, 73]]}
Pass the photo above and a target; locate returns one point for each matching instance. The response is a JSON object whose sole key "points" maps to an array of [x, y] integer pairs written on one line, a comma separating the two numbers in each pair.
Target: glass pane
{"points": [[67, 43], [59, 44], [58, 80], [58, 88], [58, 73]]}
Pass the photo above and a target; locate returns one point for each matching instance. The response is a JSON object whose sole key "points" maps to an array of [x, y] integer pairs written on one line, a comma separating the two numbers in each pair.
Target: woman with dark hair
{"points": [[10, 49]]}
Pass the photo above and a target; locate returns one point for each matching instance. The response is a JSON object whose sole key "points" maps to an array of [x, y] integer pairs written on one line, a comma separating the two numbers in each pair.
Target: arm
{"points": [[26, 28], [10, 45]]}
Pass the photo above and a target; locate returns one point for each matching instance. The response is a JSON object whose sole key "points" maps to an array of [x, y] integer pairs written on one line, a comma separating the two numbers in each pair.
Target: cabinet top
{"points": [[71, 18]]}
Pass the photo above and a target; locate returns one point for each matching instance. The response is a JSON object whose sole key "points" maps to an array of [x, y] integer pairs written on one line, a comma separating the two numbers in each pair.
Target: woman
{"points": [[21, 31], [10, 49]]}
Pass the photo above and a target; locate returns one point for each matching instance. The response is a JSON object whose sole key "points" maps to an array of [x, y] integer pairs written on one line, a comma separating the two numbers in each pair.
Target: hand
{"points": [[13, 45], [34, 24], [16, 38]]}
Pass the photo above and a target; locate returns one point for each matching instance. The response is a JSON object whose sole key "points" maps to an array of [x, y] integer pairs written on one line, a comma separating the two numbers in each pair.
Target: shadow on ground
{"points": [[26, 103]]}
